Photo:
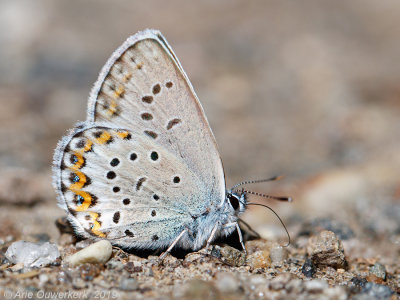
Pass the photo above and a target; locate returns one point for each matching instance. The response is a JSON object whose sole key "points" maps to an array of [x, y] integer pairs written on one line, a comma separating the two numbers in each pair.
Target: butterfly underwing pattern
{"points": [[143, 171]]}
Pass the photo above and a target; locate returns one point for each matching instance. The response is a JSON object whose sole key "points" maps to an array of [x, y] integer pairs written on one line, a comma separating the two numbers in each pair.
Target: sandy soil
{"points": [[307, 89]]}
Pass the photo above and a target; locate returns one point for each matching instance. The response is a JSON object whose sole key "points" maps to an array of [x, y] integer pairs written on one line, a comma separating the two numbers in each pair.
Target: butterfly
{"points": [[143, 171]]}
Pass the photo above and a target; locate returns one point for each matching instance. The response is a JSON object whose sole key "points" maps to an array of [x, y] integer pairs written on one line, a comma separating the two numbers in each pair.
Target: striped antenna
{"points": [[257, 181]]}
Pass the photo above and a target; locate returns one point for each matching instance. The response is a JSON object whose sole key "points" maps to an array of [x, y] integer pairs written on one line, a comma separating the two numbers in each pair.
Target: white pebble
{"points": [[278, 254], [32, 254], [43, 279], [97, 253]]}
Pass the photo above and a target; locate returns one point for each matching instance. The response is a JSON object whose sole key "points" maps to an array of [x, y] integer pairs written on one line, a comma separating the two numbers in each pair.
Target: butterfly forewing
{"points": [[143, 88]]}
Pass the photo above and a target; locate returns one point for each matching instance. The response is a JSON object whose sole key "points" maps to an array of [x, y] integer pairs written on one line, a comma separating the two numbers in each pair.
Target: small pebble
{"points": [[3, 259], [378, 270], [137, 264], [257, 280], [196, 289], [279, 282], [43, 278], [295, 286], [336, 292], [194, 257], [78, 283], [227, 283], [357, 283], [171, 261], [325, 249], [316, 285], [148, 271], [17, 267], [308, 268], [97, 253], [128, 284], [378, 291], [259, 259], [64, 277], [278, 254], [115, 265], [89, 271], [232, 256], [32, 254]]}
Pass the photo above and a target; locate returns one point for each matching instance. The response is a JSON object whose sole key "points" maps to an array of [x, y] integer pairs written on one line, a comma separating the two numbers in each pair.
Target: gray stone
{"points": [[325, 249], [232, 256], [378, 270], [115, 265], [378, 291]]}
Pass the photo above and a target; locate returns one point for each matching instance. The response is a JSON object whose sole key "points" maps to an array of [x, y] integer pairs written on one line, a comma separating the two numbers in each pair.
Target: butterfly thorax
{"points": [[223, 216]]}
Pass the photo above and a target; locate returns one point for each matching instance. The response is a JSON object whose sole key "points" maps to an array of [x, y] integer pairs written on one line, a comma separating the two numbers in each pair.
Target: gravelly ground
{"points": [[309, 90]]}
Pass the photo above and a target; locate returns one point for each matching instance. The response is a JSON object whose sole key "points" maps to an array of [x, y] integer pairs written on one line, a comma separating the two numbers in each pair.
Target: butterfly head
{"points": [[236, 200]]}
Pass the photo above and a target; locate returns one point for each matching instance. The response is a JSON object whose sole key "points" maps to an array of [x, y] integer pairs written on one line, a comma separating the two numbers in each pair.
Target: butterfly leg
{"points": [[212, 235], [162, 256], [239, 233]]}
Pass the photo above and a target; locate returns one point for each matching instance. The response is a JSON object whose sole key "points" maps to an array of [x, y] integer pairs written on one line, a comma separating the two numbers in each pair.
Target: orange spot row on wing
{"points": [[96, 225], [80, 161], [82, 180], [87, 199], [104, 138], [119, 92], [123, 134]]}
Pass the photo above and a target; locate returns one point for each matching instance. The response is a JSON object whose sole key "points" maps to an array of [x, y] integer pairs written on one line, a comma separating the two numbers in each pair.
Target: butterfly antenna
{"points": [[284, 198], [257, 181]]}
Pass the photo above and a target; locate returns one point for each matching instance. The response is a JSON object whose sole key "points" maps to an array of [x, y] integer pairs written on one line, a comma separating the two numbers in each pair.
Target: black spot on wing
{"points": [[151, 134], [156, 89], [140, 182], [147, 99], [129, 233], [116, 217], [173, 122], [147, 116]]}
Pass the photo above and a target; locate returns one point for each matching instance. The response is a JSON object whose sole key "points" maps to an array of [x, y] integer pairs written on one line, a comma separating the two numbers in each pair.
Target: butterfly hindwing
{"points": [[113, 182]]}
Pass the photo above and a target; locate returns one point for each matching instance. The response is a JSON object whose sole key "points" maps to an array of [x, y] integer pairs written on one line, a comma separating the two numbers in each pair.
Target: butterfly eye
{"points": [[234, 201]]}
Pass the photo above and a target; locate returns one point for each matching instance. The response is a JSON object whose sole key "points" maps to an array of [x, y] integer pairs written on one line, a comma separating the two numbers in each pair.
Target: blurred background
{"points": [[309, 89]]}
